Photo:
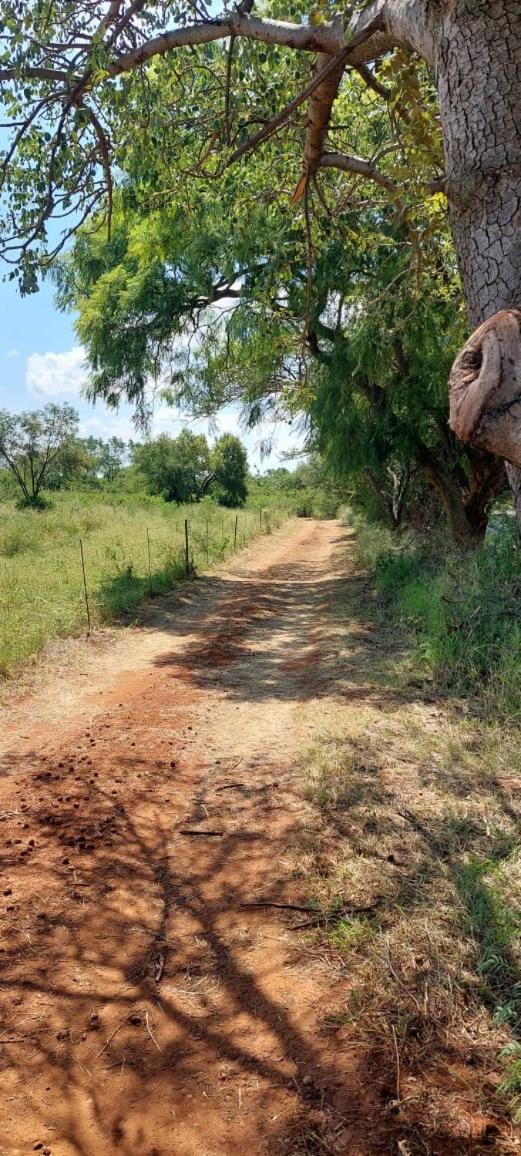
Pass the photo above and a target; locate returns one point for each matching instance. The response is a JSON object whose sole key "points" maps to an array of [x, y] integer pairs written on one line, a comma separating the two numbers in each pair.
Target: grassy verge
{"points": [[41, 586], [461, 612], [413, 850]]}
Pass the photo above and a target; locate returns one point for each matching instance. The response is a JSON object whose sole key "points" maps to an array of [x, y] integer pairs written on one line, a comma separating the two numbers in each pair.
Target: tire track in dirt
{"points": [[145, 1010]]}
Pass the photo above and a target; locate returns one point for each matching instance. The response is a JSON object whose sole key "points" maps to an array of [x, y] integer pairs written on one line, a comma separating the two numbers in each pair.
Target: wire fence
{"points": [[93, 568]]}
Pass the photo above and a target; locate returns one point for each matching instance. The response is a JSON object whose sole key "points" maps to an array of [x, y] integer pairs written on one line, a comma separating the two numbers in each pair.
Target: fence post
{"points": [[260, 520], [187, 555], [235, 533], [207, 543], [149, 565], [85, 589]]}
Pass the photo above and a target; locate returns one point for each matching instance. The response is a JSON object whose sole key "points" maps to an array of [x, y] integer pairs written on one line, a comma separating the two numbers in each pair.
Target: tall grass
{"points": [[41, 586], [462, 609]]}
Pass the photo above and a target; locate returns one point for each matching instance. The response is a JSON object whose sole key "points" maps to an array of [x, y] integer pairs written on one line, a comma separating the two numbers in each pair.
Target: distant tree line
{"points": [[42, 451]]}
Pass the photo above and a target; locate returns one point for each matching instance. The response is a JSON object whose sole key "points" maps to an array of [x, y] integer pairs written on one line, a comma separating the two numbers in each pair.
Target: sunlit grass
{"points": [[41, 583]]}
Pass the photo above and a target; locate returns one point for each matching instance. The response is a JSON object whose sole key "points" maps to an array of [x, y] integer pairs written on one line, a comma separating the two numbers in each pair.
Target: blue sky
{"points": [[41, 361]]}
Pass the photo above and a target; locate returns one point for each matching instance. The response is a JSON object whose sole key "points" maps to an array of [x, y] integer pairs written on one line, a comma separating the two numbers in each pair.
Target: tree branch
{"points": [[372, 81], [358, 166]]}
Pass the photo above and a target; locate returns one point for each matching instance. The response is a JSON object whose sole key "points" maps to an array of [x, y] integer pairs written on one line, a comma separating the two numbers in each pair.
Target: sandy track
{"points": [[145, 1009]]}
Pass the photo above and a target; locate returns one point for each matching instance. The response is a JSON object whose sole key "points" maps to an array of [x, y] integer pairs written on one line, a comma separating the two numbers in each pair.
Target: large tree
{"points": [[68, 75], [36, 447], [381, 318], [229, 462], [178, 468]]}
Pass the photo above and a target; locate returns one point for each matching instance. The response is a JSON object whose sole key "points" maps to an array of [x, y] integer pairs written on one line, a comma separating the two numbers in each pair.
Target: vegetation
{"points": [[229, 471], [177, 469], [37, 448], [41, 591], [461, 611], [416, 855]]}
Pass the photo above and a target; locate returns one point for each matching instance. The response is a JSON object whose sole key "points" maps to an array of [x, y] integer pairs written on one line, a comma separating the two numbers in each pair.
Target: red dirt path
{"points": [[144, 1009]]}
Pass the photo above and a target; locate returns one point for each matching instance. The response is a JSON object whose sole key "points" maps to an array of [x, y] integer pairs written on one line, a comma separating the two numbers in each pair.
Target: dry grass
{"points": [[417, 821]]}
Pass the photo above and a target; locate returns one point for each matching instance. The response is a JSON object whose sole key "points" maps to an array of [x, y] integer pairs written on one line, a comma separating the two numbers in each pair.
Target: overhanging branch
{"points": [[349, 164]]}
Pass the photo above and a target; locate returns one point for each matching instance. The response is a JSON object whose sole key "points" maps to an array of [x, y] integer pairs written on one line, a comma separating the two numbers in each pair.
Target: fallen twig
{"points": [[159, 966], [334, 916], [282, 906], [151, 1034], [111, 1037], [191, 831], [397, 1054], [18, 1040]]}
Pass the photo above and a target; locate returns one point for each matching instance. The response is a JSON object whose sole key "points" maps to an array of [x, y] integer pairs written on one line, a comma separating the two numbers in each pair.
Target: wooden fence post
{"points": [[187, 554], [85, 589], [149, 565]]}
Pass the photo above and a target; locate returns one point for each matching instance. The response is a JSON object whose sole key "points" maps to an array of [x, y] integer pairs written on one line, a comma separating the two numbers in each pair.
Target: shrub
{"points": [[462, 610]]}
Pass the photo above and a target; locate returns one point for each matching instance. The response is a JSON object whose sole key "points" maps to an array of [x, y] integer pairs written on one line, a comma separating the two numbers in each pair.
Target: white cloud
{"points": [[13, 353], [56, 374]]}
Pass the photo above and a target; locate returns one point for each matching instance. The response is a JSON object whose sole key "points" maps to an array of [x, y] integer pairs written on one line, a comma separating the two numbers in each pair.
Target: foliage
{"points": [[177, 469], [173, 254], [35, 447], [194, 110], [308, 491], [106, 457], [463, 611], [349, 320], [229, 464]]}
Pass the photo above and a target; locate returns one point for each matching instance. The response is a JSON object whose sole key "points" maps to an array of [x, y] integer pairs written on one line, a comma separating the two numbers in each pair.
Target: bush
{"points": [[462, 610]]}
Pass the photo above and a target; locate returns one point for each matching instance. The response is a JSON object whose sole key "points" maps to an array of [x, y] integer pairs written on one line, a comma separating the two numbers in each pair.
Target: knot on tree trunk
{"points": [[485, 387]]}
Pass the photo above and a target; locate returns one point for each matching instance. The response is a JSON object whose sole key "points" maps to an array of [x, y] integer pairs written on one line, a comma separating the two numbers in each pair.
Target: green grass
{"points": [[41, 585], [461, 609]]}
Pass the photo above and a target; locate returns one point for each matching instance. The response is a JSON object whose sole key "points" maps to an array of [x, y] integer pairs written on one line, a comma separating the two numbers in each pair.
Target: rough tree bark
{"points": [[478, 61], [478, 65]]}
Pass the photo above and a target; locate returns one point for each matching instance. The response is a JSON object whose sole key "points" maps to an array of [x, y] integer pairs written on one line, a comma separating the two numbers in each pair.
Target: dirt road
{"points": [[150, 1005]]}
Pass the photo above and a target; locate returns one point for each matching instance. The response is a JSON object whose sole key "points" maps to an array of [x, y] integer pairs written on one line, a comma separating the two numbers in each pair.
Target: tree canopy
{"points": [[229, 462], [178, 469], [111, 110], [34, 445]]}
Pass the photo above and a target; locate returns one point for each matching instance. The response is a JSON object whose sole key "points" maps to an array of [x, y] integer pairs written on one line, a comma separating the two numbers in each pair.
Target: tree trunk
{"points": [[514, 478], [467, 516], [478, 65]]}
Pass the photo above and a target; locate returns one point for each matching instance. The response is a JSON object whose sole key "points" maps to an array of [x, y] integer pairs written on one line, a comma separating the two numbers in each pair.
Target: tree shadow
{"points": [[133, 979], [125, 976], [441, 947], [262, 637]]}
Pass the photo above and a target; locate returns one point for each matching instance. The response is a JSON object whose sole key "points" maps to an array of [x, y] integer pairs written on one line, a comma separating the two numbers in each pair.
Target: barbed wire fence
{"points": [[195, 543]]}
